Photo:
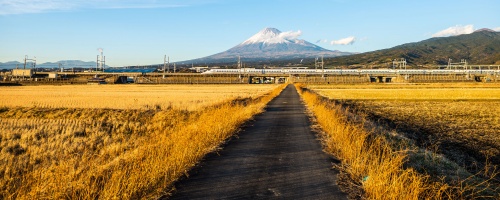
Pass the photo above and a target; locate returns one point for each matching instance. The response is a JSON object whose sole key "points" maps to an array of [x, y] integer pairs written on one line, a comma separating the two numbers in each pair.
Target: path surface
{"points": [[276, 157]]}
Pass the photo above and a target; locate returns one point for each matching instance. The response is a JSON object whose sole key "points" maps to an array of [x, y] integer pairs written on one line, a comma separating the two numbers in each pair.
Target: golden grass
{"points": [[189, 97], [82, 153], [473, 124], [369, 159], [468, 115], [443, 117], [412, 94]]}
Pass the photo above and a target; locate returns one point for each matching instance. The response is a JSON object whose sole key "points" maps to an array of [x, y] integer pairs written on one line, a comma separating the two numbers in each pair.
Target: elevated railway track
{"points": [[251, 75]]}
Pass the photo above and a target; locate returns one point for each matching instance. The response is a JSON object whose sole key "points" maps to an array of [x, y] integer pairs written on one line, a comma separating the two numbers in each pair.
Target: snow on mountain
{"points": [[272, 36], [272, 44]]}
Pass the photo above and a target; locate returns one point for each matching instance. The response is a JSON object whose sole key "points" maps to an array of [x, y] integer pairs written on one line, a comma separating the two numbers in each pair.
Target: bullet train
{"points": [[353, 71]]}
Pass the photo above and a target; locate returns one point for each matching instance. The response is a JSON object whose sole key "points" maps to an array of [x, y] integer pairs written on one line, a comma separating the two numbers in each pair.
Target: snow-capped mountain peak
{"points": [[273, 36], [271, 44]]}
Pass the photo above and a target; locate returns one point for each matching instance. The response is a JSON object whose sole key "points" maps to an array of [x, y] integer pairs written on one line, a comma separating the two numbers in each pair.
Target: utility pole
{"points": [[103, 63], [316, 63], [401, 63], [322, 67], [34, 62], [27, 59], [97, 63], [239, 67], [164, 65], [100, 63], [464, 62], [239, 62]]}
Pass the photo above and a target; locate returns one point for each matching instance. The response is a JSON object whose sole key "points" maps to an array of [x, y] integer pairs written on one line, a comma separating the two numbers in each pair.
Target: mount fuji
{"points": [[270, 44]]}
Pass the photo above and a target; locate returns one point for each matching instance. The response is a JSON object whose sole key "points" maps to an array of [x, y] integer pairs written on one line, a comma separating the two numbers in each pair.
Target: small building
{"points": [[53, 75], [22, 72]]}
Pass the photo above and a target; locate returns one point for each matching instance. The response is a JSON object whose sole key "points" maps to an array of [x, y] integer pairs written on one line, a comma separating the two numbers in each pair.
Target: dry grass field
{"points": [[372, 164], [468, 117], [427, 94], [451, 132], [189, 97], [114, 142]]}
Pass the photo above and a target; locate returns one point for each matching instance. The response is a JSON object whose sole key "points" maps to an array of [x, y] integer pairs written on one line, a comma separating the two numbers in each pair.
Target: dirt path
{"points": [[276, 157]]}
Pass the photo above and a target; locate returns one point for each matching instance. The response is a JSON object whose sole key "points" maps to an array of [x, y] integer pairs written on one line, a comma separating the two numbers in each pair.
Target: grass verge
{"points": [[390, 165], [371, 160]]}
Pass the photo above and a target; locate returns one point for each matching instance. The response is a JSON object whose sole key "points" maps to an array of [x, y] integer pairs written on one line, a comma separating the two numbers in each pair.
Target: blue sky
{"points": [[141, 32]]}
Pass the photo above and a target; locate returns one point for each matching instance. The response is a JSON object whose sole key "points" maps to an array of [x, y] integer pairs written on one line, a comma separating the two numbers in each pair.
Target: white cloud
{"points": [[9, 7], [32, 6], [322, 41], [344, 41], [497, 29], [455, 30], [290, 35]]}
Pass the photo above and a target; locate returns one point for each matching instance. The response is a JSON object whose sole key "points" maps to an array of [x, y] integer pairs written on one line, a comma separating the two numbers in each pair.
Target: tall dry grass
{"points": [[75, 153], [460, 113], [369, 159], [474, 125], [413, 94], [188, 97]]}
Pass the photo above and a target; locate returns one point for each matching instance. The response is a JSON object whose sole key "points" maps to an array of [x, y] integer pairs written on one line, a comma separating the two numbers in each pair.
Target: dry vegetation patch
{"points": [[467, 131], [51, 152], [412, 94], [370, 160], [188, 97], [451, 132]]}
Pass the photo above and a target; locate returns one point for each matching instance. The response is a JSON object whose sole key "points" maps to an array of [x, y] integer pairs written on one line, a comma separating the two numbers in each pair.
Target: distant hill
{"points": [[480, 47], [69, 64], [64, 64], [11, 65]]}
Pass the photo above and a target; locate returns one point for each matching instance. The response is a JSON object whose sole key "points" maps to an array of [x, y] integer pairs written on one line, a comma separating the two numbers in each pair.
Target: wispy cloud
{"points": [[10, 7], [32, 6], [344, 41], [322, 41], [497, 29], [455, 30], [290, 35]]}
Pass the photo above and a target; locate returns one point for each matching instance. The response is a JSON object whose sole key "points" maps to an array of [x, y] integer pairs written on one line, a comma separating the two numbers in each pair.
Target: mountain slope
{"points": [[270, 44], [64, 64], [480, 47]]}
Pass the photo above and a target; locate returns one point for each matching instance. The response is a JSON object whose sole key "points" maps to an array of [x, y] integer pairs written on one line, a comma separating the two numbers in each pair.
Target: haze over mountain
{"points": [[479, 47], [64, 64], [270, 44]]}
